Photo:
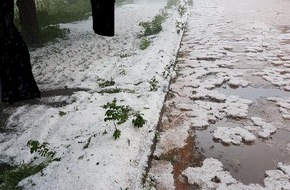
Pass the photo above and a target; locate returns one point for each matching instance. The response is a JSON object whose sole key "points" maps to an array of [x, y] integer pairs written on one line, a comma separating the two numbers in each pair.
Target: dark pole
{"points": [[28, 21]]}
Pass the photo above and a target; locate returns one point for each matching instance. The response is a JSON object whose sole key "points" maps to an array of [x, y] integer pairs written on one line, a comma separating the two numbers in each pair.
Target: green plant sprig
{"points": [[119, 114], [153, 27], [153, 84], [41, 149], [105, 83], [144, 44], [116, 113], [139, 121], [10, 178]]}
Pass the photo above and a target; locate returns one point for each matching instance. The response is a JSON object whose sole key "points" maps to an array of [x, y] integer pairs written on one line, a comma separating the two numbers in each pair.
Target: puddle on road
{"points": [[254, 94], [246, 163]]}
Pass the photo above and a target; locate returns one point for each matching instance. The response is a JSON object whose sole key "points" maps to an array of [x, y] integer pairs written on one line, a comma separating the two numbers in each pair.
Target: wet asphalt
{"points": [[226, 41]]}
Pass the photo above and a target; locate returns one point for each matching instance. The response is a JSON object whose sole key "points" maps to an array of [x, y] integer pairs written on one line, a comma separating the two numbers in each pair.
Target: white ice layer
{"points": [[233, 135], [211, 176], [284, 106], [263, 128], [236, 135]]}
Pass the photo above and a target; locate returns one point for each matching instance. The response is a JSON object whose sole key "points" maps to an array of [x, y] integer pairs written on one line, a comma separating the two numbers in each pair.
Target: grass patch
{"points": [[50, 33], [51, 13], [105, 83], [121, 2], [153, 84], [138, 121], [189, 2], [119, 114], [153, 27], [181, 10], [144, 44], [60, 11], [171, 3], [116, 112], [10, 178], [180, 26]]}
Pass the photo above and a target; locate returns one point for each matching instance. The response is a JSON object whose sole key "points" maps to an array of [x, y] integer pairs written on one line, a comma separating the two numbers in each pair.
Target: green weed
{"points": [[122, 70], [164, 13], [168, 69], [52, 32], [116, 113], [105, 83], [153, 27], [59, 11], [145, 43], [139, 121], [61, 113], [119, 114], [51, 13], [120, 2], [153, 84], [171, 3], [117, 133], [41, 149], [10, 178], [189, 2], [157, 136], [150, 182], [124, 55], [181, 10], [180, 26]]}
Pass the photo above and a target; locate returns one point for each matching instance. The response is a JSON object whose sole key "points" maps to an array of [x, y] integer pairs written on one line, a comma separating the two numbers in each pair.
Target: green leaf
{"points": [[139, 121], [117, 134], [116, 113], [61, 113], [41, 149], [104, 83]]}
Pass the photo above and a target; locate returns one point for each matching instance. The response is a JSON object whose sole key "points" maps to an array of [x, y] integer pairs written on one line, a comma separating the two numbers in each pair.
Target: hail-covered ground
{"points": [[81, 74], [77, 77]]}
